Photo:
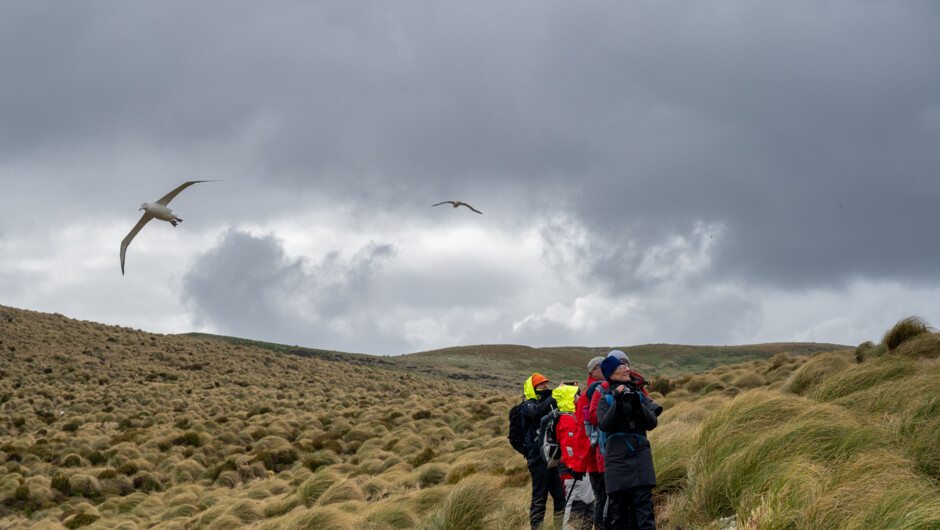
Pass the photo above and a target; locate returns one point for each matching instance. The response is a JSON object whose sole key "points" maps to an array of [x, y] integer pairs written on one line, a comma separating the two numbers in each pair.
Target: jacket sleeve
{"points": [[566, 431], [650, 421], [534, 410], [606, 413]]}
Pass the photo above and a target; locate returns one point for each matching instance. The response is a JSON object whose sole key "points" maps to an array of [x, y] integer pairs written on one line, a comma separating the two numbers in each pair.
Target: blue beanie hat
{"points": [[609, 365]]}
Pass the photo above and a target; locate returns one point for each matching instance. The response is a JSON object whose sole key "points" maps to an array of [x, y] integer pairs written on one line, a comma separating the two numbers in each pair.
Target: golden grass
{"points": [[905, 329], [467, 506], [137, 430], [817, 370]]}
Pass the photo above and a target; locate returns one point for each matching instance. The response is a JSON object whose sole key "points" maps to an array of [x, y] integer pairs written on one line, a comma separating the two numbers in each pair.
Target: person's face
{"points": [[542, 386], [596, 373], [622, 373]]}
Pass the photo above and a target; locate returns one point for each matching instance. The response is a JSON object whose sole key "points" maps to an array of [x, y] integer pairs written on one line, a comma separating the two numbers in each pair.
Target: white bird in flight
{"points": [[456, 204], [157, 210]]}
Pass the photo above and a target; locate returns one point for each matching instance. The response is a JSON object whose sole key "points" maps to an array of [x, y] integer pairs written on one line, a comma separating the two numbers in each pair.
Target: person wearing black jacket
{"points": [[545, 480], [629, 474]]}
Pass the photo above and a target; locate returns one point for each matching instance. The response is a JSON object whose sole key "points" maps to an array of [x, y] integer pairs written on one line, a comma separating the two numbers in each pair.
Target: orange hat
{"points": [[538, 379]]}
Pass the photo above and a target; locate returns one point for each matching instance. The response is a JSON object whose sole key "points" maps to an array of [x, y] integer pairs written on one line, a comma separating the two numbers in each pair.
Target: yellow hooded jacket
{"points": [[529, 389], [567, 425], [564, 397]]}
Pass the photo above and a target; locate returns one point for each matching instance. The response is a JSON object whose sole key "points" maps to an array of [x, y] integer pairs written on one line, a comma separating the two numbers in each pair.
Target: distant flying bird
{"points": [[157, 210], [456, 204]]}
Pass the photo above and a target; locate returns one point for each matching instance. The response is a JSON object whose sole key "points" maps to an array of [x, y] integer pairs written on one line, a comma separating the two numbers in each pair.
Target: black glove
{"points": [[577, 475], [634, 398]]}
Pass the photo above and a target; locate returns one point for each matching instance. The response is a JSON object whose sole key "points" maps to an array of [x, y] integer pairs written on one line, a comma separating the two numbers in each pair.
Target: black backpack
{"points": [[517, 429]]}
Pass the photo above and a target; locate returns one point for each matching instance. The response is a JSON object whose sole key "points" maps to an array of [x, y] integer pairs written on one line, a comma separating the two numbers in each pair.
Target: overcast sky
{"points": [[727, 172]]}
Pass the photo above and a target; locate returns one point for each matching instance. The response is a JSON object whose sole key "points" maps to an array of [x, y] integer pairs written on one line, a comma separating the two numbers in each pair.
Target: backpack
{"points": [[593, 433], [517, 429], [549, 445], [591, 389]]}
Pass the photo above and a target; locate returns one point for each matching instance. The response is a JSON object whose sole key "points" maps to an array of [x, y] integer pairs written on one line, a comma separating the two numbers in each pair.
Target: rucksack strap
{"points": [[591, 389], [625, 435]]}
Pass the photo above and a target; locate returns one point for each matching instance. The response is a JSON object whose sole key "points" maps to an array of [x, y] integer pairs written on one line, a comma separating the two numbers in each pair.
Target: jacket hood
{"points": [[534, 381], [529, 389], [564, 396]]}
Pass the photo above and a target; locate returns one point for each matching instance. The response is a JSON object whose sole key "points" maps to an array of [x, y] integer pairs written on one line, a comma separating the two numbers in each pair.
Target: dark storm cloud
{"points": [[249, 287], [800, 129], [787, 145]]}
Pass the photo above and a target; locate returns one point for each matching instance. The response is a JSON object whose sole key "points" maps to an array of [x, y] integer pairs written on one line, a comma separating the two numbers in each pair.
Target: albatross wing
{"points": [[169, 196], [130, 235]]}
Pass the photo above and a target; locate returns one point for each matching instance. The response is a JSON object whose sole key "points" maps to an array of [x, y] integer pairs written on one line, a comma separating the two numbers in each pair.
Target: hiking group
{"points": [[588, 450]]}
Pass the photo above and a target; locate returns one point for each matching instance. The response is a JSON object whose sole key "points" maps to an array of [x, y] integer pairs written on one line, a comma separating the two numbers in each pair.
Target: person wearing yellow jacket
{"points": [[545, 480], [579, 505]]}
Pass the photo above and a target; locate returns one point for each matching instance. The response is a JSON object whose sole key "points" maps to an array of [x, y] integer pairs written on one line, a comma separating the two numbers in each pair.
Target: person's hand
{"points": [[577, 475], [620, 389]]}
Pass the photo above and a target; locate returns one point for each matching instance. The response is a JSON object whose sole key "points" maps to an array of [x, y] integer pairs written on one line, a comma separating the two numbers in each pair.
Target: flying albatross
{"points": [[456, 204], [157, 210]]}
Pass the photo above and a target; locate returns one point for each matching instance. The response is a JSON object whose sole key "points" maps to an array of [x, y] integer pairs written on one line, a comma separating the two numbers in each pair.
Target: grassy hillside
{"points": [[561, 363], [110, 427], [499, 379]]}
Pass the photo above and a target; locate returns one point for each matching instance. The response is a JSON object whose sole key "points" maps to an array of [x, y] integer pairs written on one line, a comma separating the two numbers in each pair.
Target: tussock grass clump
{"points": [[425, 456], [769, 459], [80, 515], [279, 506], [182, 497], [228, 479], [321, 458], [862, 377], [673, 447], [189, 438], [459, 471], [467, 506], [911, 414], [346, 490], [815, 371], [925, 345], [905, 329], [174, 512], [312, 488], [61, 483], [864, 351], [661, 384], [226, 522], [375, 489], [325, 517], [128, 503], [84, 485], [424, 500], [749, 380], [388, 515], [246, 510], [700, 383], [431, 474]]}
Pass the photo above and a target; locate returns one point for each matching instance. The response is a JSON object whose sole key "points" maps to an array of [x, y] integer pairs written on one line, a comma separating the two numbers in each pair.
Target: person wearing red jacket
{"points": [[579, 496], [591, 462], [598, 480]]}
